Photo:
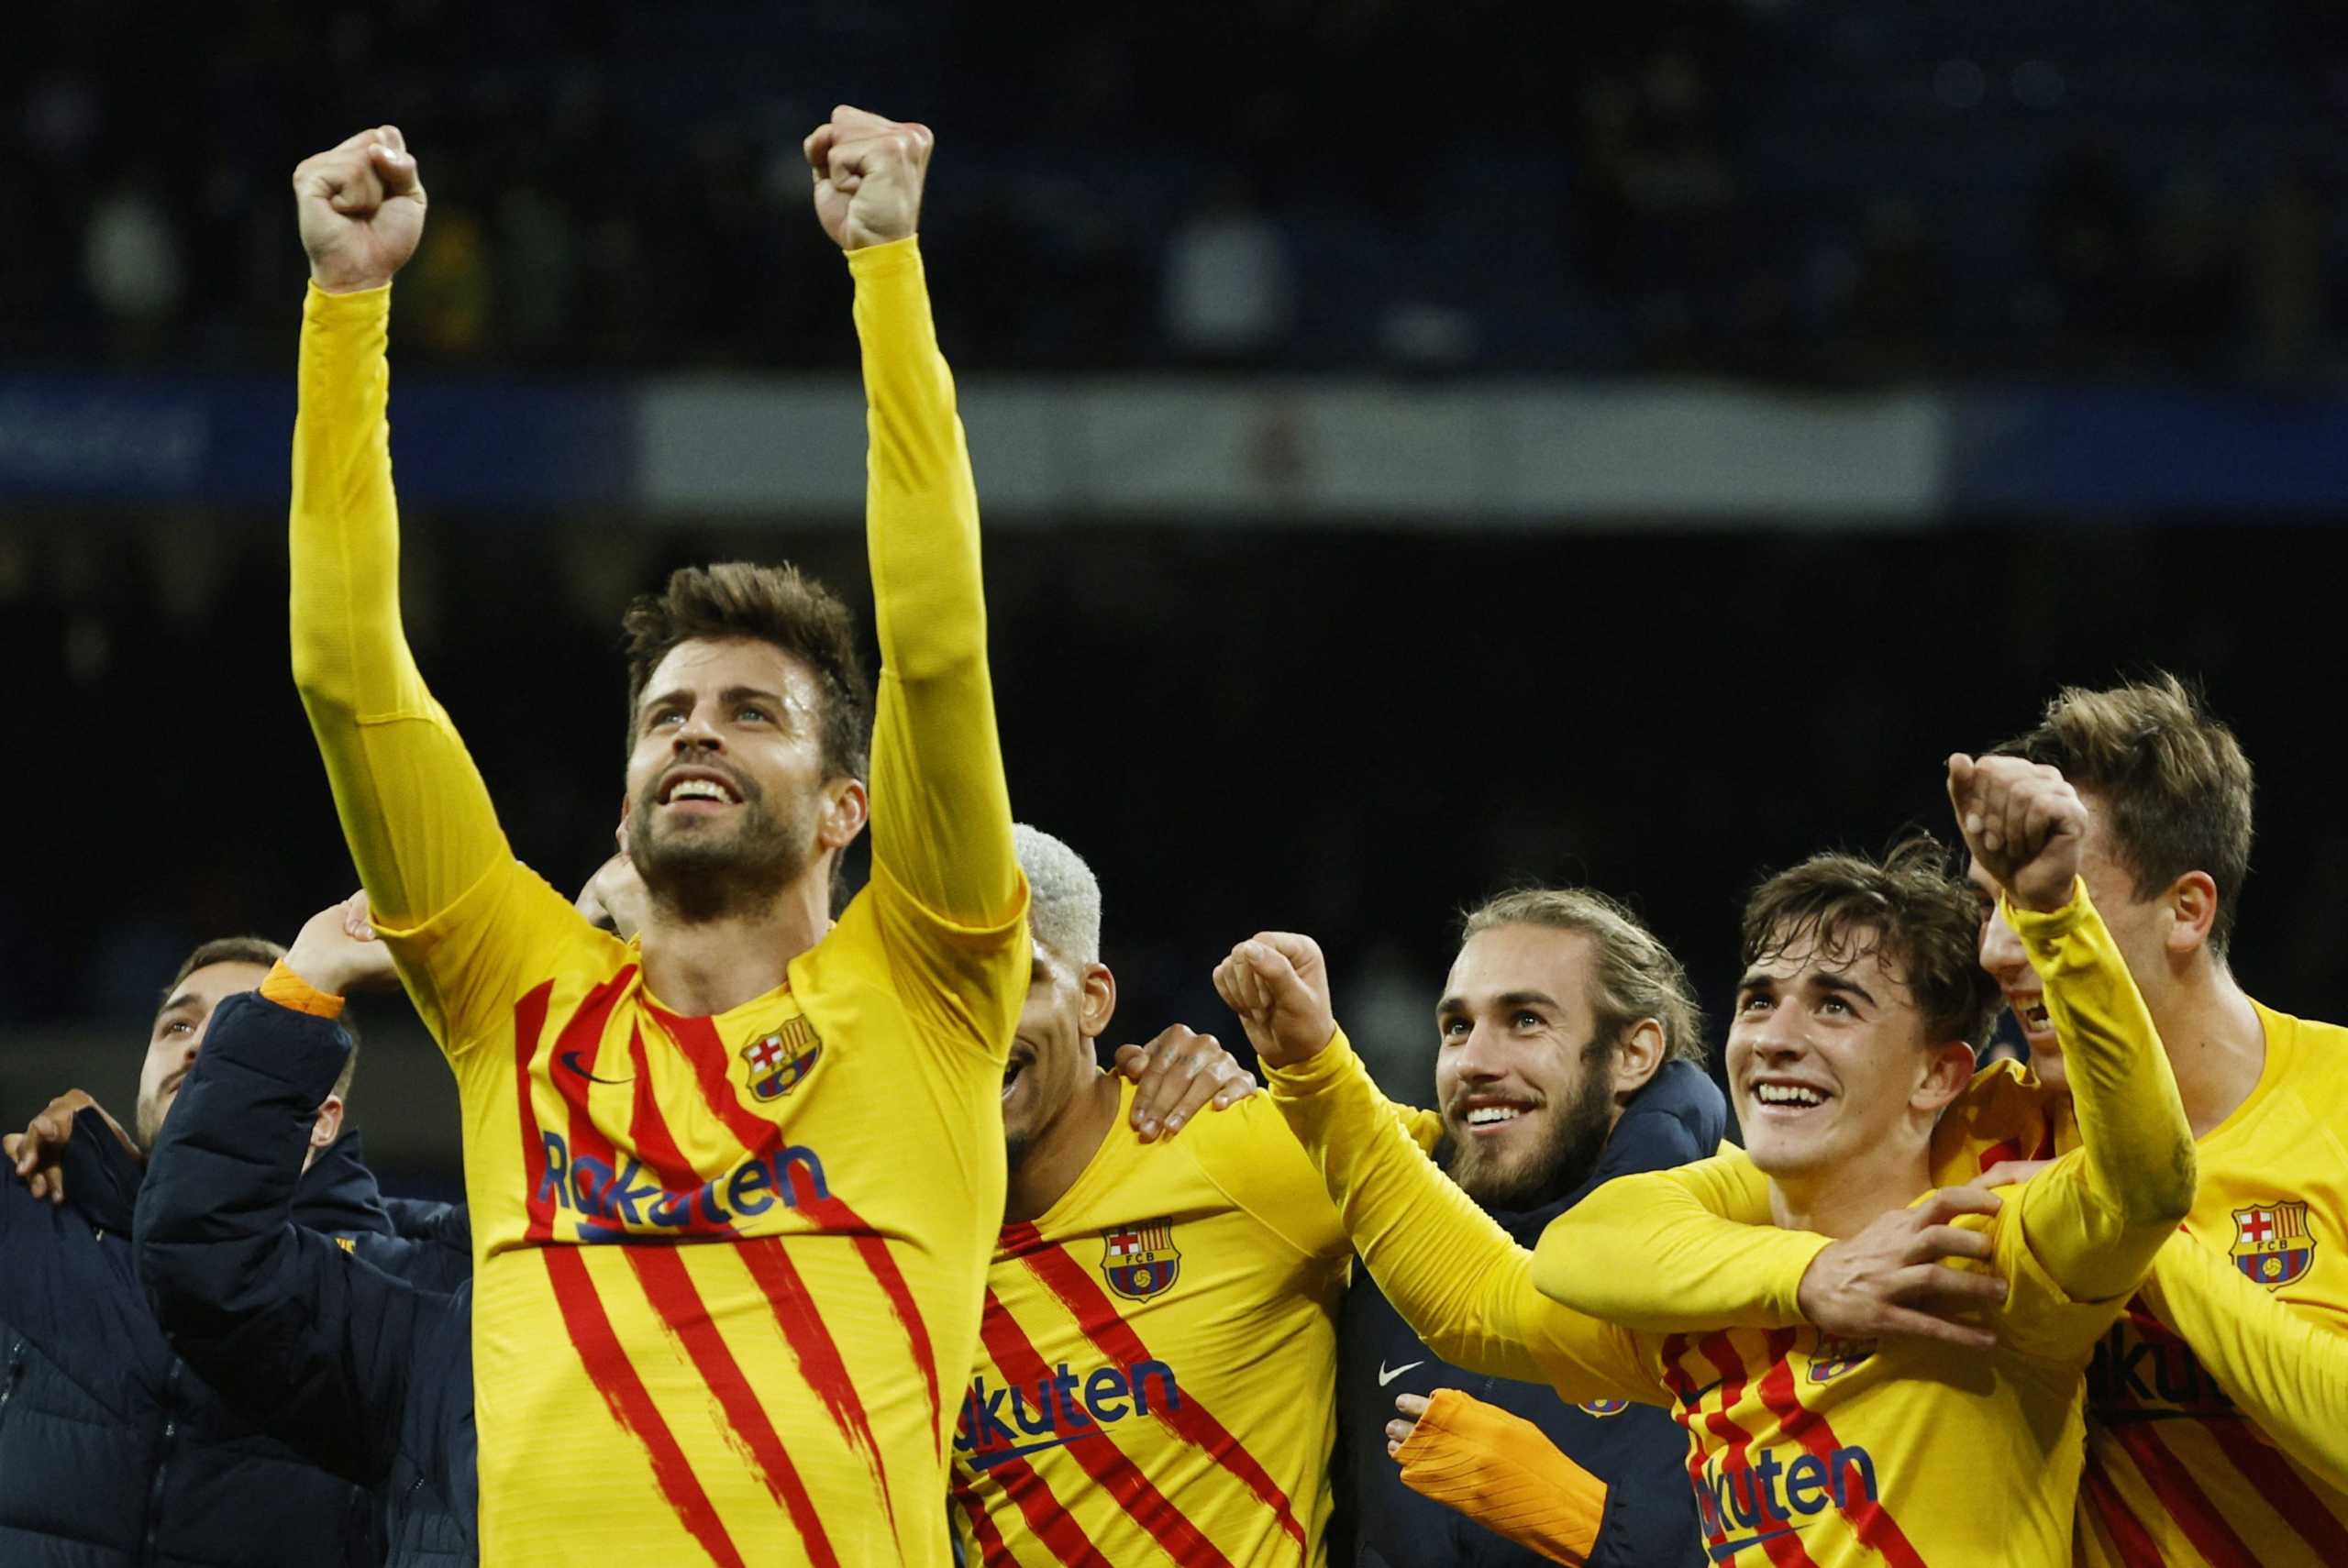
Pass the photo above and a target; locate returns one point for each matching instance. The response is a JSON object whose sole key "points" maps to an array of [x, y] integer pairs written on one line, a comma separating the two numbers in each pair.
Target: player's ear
{"points": [[1100, 999], [846, 808], [1636, 1058], [1948, 1067], [328, 1125], [2192, 901]]}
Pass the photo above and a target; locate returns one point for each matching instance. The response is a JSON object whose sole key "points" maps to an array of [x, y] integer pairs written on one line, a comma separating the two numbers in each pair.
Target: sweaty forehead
{"points": [[704, 664]]}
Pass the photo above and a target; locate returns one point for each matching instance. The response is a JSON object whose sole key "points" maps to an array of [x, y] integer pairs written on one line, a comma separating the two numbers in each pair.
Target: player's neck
{"points": [[1062, 1150], [707, 966], [2217, 1046], [1844, 1201]]}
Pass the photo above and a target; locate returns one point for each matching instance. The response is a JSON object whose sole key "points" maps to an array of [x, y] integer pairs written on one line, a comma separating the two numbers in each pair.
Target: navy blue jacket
{"points": [[113, 1453], [1639, 1452], [360, 1358]]}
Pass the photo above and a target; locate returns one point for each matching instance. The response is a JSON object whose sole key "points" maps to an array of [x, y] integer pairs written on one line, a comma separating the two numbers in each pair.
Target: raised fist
{"points": [[361, 206], [2023, 822], [868, 174], [1279, 986]]}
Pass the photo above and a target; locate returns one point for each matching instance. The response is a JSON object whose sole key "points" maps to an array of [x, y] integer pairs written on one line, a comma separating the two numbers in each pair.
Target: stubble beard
{"points": [[694, 876]]}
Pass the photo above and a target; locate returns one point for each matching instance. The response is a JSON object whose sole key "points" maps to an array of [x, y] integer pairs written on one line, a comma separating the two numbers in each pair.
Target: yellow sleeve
{"points": [[2083, 1232], [1682, 1250], [1503, 1472], [947, 885], [1252, 1158], [1453, 1274], [2284, 1366], [414, 809]]}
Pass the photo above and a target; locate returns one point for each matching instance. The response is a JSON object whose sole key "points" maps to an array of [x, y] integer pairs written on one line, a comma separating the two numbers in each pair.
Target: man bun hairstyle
{"points": [[772, 604], [2173, 784], [1909, 908], [261, 950], [1636, 977]]}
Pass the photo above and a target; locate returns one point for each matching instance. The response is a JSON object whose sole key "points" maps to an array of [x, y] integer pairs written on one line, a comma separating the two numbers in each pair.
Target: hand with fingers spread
{"points": [[1890, 1279], [36, 1153], [2023, 822], [1277, 984], [868, 172], [337, 951], [1179, 1072], [361, 209]]}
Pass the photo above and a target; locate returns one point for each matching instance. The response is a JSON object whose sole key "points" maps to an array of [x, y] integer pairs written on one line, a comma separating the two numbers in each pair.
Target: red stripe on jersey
{"points": [[2181, 1496], [1008, 1346], [1783, 1547], [631, 1403], [1046, 1521], [1998, 1153], [992, 1552], [1873, 1521], [669, 1289], [581, 1037], [705, 1051], [2130, 1540], [647, 1128], [1192, 1421], [2283, 1488], [818, 1357], [529, 1024]]}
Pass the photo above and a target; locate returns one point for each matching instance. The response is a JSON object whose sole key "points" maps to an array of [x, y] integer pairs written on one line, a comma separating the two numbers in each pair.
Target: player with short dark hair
{"points": [[1841, 1451], [734, 1182]]}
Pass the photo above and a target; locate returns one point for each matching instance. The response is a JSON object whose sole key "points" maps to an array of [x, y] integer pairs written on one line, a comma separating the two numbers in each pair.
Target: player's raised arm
{"points": [[1453, 1274], [418, 819], [2094, 1220], [941, 812]]}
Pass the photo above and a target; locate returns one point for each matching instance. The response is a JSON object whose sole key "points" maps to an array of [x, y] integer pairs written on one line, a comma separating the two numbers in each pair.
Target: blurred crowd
{"points": [[1809, 188]]}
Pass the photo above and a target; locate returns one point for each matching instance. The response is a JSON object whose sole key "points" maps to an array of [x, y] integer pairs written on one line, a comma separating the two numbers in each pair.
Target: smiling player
{"points": [[733, 1185]]}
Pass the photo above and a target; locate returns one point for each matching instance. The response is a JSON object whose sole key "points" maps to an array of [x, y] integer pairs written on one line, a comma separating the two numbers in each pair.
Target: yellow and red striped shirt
{"points": [[728, 1269], [1157, 1373]]}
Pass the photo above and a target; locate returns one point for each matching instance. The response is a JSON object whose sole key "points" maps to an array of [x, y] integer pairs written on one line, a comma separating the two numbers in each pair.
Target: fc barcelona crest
{"points": [[2271, 1245], [780, 1060], [1140, 1261], [1836, 1356]]}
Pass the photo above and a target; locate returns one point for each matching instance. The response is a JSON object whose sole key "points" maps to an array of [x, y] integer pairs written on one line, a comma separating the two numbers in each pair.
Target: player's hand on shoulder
{"points": [[2023, 822], [1179, 1072], [338, 953], [1890, 1279], [361, 210], [614, 898], [868, 172], [1278, 984], [35, 1154]]}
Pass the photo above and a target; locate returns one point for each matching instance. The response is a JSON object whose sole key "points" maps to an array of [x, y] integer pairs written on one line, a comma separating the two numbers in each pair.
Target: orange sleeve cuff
{"points": [[290, 990], [1506, 1475]]}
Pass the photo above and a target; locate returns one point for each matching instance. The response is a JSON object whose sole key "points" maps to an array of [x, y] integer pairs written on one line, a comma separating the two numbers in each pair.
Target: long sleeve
{"points": [[1453, 1274], [2285, 1367], [1682, 1251], [414, 809], [1502, 1472], [2094, 1220], [306, 1342]]}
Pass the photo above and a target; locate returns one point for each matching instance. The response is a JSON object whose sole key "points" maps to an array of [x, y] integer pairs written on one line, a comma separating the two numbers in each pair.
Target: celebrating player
{"points": [[733, 1185], [2236, 1349], [1849, 1040]]}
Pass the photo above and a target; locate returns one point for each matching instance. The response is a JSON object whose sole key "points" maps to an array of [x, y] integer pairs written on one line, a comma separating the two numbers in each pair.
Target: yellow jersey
{"points": [[728, 1270], [1157, 1373], [1804, 1448]]}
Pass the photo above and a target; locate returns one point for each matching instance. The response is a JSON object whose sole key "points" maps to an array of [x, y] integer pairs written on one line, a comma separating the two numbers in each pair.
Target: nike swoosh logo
{"points": [[1385, 1378], [571, 1059]]}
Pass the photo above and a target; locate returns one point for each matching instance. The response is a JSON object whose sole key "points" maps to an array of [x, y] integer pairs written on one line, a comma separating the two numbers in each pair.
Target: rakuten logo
{"points": [[1005, 1423], [791, 1175], [1749, 1507]]}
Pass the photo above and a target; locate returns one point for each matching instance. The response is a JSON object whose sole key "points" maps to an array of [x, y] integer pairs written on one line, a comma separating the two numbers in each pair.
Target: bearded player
{"points": [[732, 1184], [2218, 1403]]}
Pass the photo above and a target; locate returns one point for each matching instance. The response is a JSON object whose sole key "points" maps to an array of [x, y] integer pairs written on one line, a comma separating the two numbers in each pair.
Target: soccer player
{"points": [[1569, 1051], [733, 1185], [1849, 1040], [1157, 1369], [2218, 1404]]}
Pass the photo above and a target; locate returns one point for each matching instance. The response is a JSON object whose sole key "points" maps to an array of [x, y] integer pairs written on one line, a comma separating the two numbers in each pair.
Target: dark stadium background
{"points": [[2097, 257]]}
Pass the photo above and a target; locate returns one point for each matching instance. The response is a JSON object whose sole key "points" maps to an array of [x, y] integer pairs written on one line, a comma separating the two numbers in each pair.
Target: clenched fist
{"points": [[361, 206], [868, 174], [1279, 986], [2023, 822]]}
